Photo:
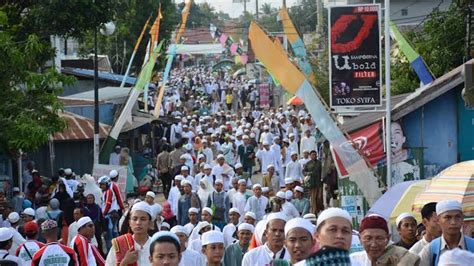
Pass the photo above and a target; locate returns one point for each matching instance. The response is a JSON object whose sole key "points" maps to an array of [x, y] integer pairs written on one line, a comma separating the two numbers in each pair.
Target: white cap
{"points": [[179, 229], [238, 165], [310, 217], [265, 189], [220, 156], [143, 206], [207, 166], [291, 135], [184, 168], [212, 237], [219, 181], [270, 166], [83, 221], [294, 153], [16, 189], [251, 214], [300, 223], [178, 178], [208, 210], [193, 210], [256, 186], [29, 211], [186, 182], [333, 212], [448, 205], [68, 171], [288, 180], [165, 224], [288, 194], [245, 137], [300, 189], [201, 156], [235, 210], [265, 127], [281, 195], [456, 256], [403, 216], [5, 234], [13, 217], [242, 181], [265, 142], [151, 194], [113, 173], [246, 226], [277, 216]]}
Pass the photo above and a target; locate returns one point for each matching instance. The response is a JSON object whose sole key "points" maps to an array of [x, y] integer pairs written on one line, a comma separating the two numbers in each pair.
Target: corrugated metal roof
{"points": [[76, 102], [79, 128], [107, 94]]}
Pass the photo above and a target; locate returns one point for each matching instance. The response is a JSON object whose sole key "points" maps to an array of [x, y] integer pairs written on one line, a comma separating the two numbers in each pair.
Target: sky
{"points": [[236, 9]]}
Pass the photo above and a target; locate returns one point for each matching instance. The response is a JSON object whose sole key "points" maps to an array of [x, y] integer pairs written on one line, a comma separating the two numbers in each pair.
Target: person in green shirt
{"points": [[235, 252], [301, 203]]}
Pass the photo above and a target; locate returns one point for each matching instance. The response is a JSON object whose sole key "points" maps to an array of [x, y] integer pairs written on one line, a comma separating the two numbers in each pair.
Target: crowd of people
{"points": [[241, 185]]}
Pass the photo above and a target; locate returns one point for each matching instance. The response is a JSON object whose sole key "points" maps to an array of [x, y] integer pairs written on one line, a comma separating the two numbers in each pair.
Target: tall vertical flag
{"points": [[296, 43], [154, 34], [415, 59], [142, 81], [295, 82], [184, 19]]}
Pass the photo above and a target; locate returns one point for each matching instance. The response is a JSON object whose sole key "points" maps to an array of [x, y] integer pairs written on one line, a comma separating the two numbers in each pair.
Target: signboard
{"points": [[104, 169], [264, 94], [355, 56]]}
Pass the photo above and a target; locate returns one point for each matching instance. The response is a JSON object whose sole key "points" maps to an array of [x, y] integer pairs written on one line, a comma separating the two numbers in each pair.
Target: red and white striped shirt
{"points": [[87, 254]]}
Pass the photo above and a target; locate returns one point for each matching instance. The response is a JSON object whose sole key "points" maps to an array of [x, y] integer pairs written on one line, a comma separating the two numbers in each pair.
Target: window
{"points": [[404, 12]]}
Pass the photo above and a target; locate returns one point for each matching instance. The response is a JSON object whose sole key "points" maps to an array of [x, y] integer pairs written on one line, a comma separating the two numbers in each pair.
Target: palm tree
{"points": [[267, 9]]}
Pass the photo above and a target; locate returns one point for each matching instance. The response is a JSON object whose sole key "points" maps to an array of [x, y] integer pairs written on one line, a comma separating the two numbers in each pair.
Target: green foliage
{"points": [[201, 15], [440, 43], [29, 109], [304, 16]]}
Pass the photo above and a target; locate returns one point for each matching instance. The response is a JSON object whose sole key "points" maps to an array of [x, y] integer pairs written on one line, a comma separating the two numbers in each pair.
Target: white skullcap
{"points": [[294, 153], [183, 157], [83, 221], [188, 146], [151, 194], [113, 173], [288, 180], [305, 151], [234, 210], [333, 212], [456, 257], [238, 165], [265, 189], [403, 216], [186, 182], [16, 189], [178, 178], [246, 226], [245, 137], [310, 217], [13, 217], [212, 237], [219, 181], [251, 214], [276, 216], [208, 210], [448, 205], [162, 234], [193, 210], [184, 168], [165, 224], [179, 229], [29, 211], [265, 142], [281, 195], [256, 186], [220, 156], [68, 171], [5, 234], [201, 156], [242, 181], [143, 206], [291, 135], [270, 166], [207, 166], [300, 223], [288, 194], [300, 189], [265, 127]]}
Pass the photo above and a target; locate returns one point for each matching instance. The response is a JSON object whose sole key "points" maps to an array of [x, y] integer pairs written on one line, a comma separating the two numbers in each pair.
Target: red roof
{"points": [[202, 35], [79, 128]]}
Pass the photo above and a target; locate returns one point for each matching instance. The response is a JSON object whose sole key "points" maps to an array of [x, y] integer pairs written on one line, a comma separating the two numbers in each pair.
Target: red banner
{"points": [[367, 140]]}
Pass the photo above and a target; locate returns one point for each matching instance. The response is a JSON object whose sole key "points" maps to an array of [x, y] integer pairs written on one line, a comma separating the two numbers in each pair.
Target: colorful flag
{"points": [[293, 81], [415, 59], [155, 29], [184, 19]]}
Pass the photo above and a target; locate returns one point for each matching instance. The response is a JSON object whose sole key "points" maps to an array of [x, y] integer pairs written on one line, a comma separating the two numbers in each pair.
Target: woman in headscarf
{"points": [[205, 189], [93, 210], [258, 237], [66, 203], [168, 215], [53, 212], [126, 160]]}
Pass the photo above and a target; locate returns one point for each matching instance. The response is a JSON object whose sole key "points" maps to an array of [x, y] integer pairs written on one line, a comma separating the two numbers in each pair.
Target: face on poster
{"points": [[355, 56]]}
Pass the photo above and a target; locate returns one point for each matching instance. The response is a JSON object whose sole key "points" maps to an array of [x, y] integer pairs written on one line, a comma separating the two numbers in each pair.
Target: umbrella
{"points": [[407, 199], [295, 100], [454, 183], [387, 202]]}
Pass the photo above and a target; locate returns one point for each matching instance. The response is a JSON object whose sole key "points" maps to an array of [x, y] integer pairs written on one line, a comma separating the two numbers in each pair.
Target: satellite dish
{"points": [[107, 28]]}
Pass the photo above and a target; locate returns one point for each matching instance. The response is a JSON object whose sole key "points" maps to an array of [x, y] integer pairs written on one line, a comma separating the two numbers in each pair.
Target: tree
{"points": [[201, 15], [267, 9], [440, 42]]}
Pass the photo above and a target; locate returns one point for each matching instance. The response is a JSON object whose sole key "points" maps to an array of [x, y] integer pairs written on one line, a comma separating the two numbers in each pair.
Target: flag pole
{"points": [[388, 119], [134, 52]]}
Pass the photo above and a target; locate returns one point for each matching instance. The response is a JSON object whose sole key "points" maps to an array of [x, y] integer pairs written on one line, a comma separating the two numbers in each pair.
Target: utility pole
{"points": [[256, 9], [284, 3], [245, 6], [320, 29]]}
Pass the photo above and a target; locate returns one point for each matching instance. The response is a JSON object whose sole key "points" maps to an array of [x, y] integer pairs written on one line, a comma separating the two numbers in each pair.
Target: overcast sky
{"points": [[236, 9]]}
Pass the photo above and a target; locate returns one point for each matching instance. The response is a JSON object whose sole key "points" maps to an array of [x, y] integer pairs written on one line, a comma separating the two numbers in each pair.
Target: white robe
{"points": [[266, 158], [191, 258], [290, 210], [173, 199], [263, 256]]}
